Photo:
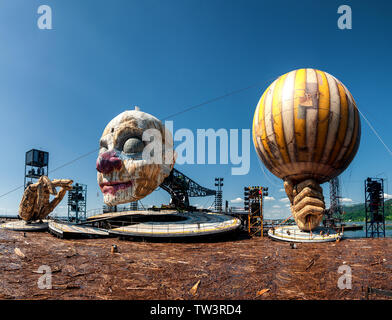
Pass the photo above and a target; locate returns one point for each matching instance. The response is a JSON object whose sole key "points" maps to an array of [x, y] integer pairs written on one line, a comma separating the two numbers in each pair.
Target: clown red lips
{"points": [[125, 174]]}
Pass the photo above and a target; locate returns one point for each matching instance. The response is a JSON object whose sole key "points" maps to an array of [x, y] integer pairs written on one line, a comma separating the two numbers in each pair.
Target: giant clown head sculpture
{"points": [[136, 155]]}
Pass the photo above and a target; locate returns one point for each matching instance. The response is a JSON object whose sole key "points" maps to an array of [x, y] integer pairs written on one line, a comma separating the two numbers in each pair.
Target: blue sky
{"points": [[59, 88]]}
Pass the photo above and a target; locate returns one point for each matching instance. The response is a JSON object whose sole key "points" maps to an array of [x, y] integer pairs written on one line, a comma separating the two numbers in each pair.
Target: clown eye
{"points": [[133, 145], [103, 146]]}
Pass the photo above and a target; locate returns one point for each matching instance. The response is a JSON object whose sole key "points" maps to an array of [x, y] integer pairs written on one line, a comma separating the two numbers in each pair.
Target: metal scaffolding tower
{"points": [[133, 206], [218, 195], [333, 216], [374, 207], [77, 199], [253, 202], [36, 165]]}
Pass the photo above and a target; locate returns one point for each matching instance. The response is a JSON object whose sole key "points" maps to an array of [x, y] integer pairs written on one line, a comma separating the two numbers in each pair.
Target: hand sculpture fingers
{"points": [[307, 203], [63, 183], [35, 201], [48, 184]]}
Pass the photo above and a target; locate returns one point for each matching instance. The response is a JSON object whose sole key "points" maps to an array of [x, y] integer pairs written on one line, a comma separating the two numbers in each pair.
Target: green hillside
{"points": [[357, 212]]}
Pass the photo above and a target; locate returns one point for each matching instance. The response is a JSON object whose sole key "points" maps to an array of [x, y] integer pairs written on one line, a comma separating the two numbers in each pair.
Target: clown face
{"points": [[125, 174]]}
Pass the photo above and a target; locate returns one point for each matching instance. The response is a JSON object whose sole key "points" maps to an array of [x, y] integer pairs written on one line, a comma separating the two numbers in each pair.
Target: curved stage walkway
{"points": [[62, 229], [192, 224]]}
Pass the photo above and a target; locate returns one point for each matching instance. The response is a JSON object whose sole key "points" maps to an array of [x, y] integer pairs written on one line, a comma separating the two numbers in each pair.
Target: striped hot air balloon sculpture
{"points": [[306, 131]]}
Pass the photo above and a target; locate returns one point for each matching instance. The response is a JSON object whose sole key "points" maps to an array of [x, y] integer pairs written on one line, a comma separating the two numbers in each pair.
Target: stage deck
{"points": [[65, 230], [111, 215], [192, 224]]}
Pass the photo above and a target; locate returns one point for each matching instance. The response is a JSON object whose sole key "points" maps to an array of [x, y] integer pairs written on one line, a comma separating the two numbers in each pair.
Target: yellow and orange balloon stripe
{"points": [[306, 125]]}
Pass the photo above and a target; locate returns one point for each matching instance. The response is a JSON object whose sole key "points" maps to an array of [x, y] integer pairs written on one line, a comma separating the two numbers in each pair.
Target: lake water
{"points": [[362, 233]]}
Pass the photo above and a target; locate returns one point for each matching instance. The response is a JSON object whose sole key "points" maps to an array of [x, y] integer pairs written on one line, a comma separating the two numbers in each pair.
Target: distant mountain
{"points": [[356, 212]]}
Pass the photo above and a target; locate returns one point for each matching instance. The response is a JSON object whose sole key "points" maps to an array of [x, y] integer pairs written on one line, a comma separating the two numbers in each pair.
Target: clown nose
{"points": [[108, 162]]}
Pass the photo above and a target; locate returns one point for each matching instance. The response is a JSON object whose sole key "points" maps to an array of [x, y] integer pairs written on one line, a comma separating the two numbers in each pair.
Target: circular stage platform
{"points": [[294, 234], [187, 224], [21, 225]]}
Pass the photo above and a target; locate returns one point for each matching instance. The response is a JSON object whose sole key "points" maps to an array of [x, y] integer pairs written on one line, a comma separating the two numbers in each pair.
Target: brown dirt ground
{"points": [[237, 269]]}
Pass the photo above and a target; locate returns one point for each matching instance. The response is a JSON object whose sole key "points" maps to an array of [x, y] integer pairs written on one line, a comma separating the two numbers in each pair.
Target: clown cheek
{"points": [[132, 168]]}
